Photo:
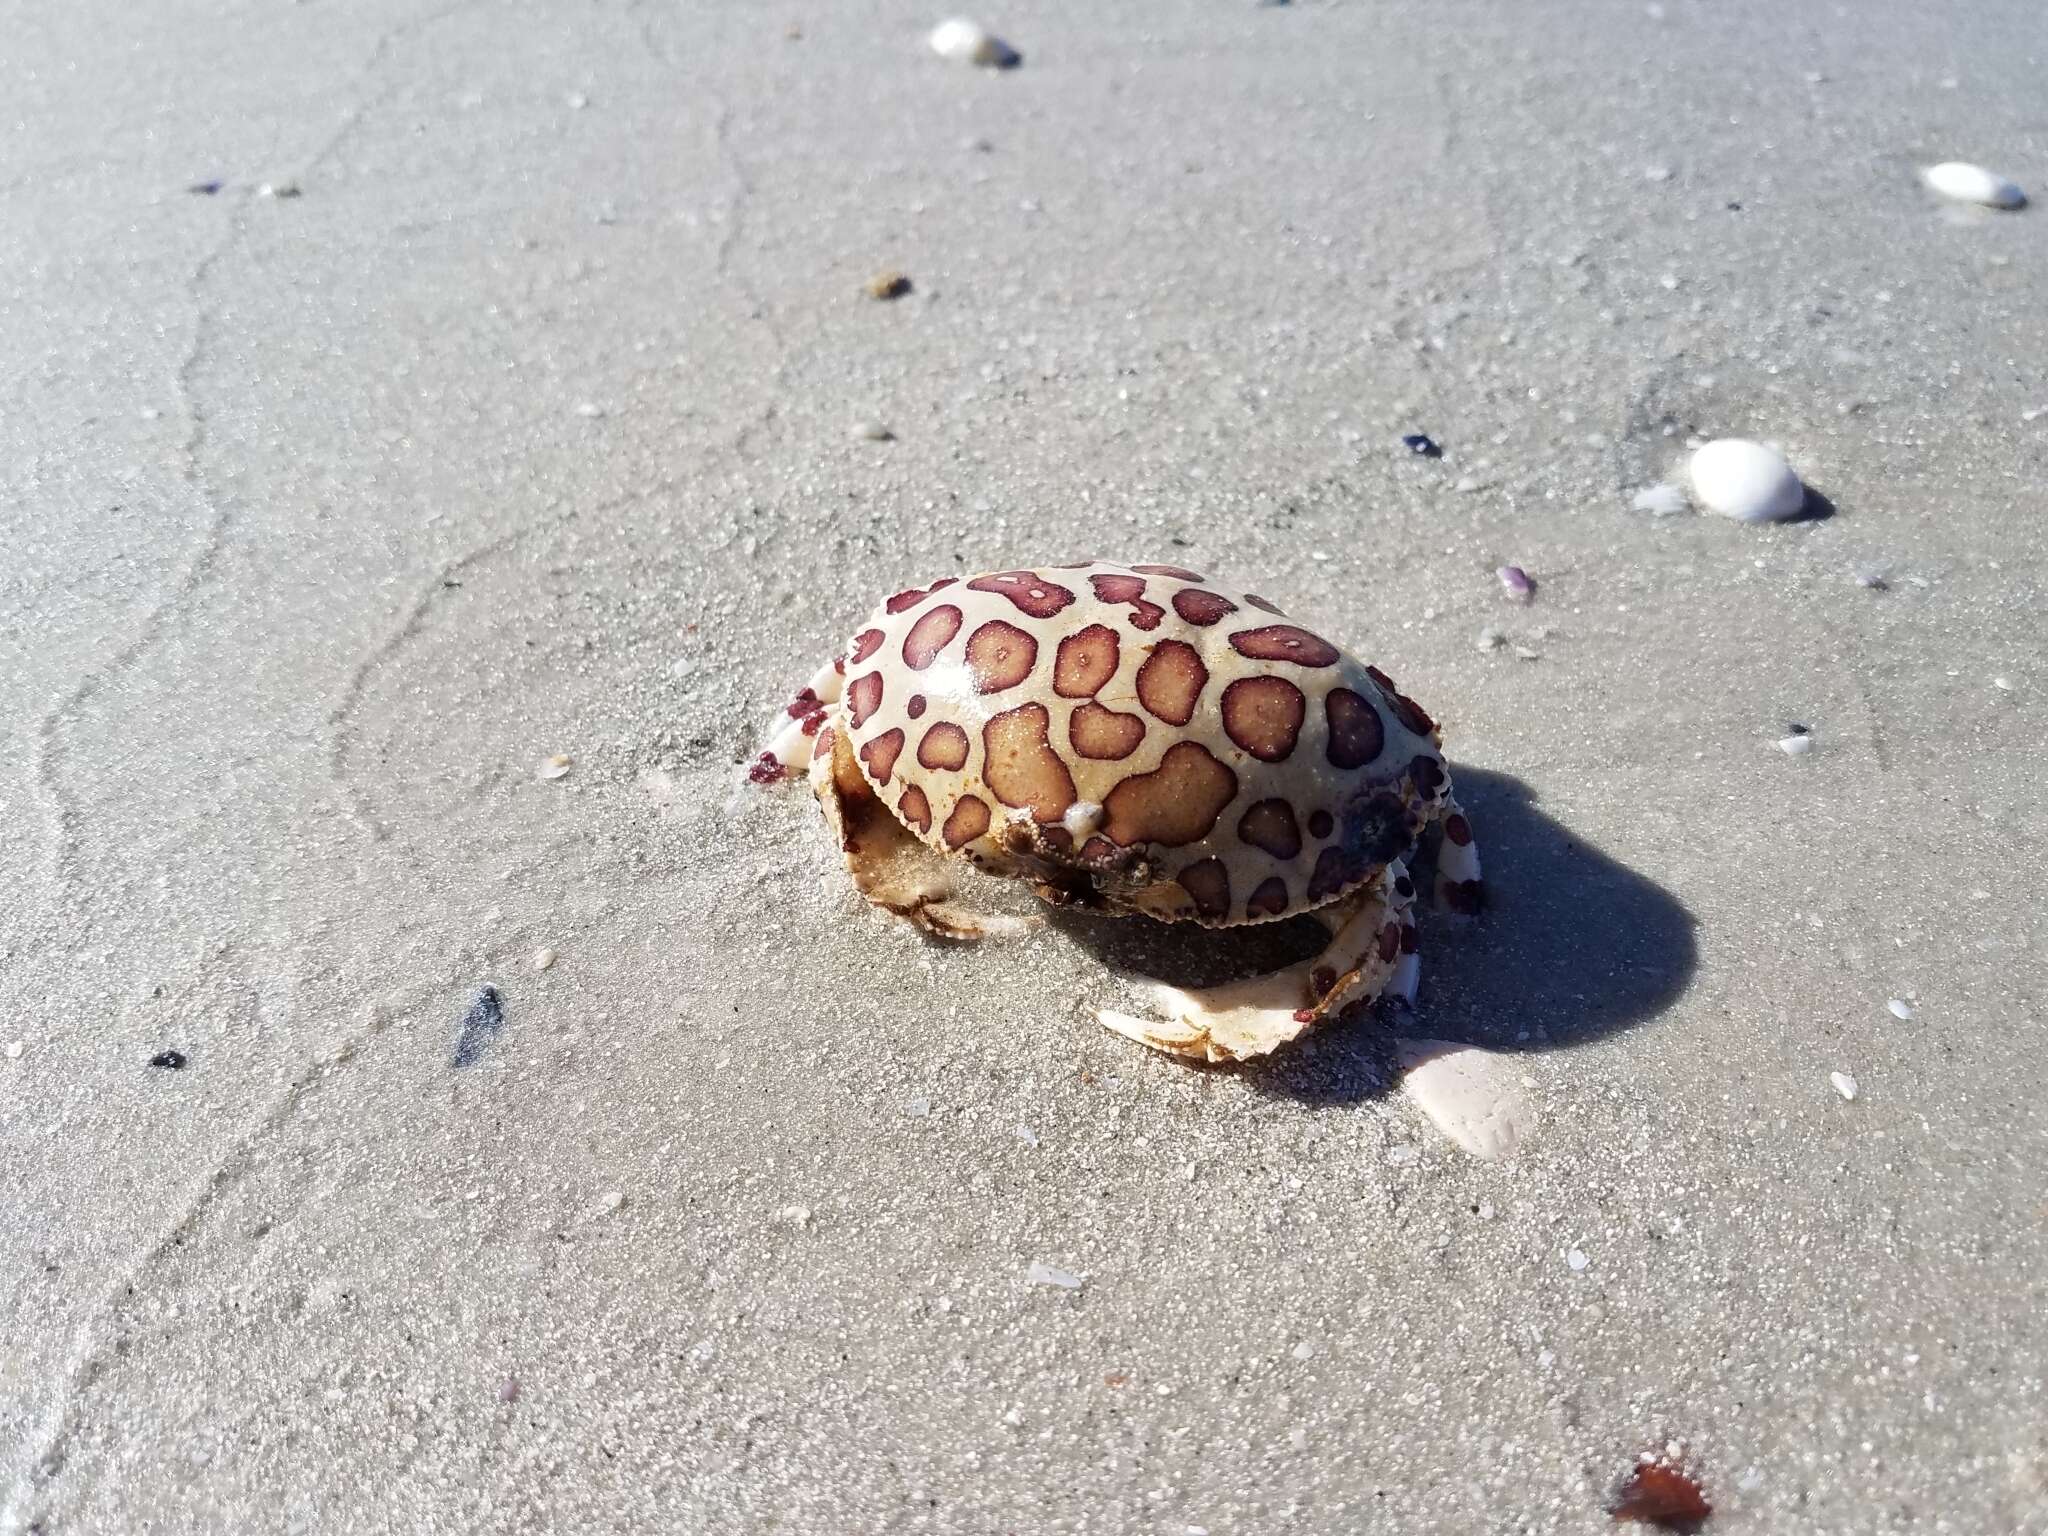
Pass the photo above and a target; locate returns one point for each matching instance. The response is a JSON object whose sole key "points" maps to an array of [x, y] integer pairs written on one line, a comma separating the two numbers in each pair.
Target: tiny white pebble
{"points": [[968, 42], [554, 767], [1576, 1261], [1967, 183], [1402, 1152], [1027, 1135], [1486, 1210], [543, 958], [577, 101], [1466, 486], [917, 1109], [794, 1216], [2004, 684], [14, 1050], [1523, 653], [1845, 1085], [1795, 746], [608, 1203], [874, 432], [1900, 1008], [1669, 280], [1490, 639], [589, 411], [1657, 173], [1304, 1350]]}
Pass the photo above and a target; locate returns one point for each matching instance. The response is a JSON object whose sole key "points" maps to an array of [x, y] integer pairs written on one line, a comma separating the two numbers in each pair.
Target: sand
{"points": [[536, 423]]}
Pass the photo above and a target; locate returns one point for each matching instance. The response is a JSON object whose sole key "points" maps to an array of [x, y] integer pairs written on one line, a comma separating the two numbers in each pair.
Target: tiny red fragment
{"points": [[1663, 1496]]}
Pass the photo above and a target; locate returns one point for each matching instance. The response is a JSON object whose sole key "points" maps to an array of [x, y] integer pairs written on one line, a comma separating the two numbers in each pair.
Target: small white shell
{"points": [[1660, 500], [1746, 480], [1973, 184], [969, 42], [1795, 745], [1845, 1085]]}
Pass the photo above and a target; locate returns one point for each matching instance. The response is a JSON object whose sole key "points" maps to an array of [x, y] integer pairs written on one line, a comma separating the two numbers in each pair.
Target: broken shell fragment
{"points": [[1746, 480], [554, 767], [1966, 183], [1516, 583], [969, 42]]}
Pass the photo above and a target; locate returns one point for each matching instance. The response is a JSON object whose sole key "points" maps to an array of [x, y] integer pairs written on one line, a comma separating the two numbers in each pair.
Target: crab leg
{"points": [[1458, 886], [789, 746], [1371, 938], [891, 868]]}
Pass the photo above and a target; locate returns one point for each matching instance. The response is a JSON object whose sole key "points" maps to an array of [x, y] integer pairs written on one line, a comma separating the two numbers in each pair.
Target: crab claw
{"points": [[1365, 957], [791, 743], [1458, 886]]}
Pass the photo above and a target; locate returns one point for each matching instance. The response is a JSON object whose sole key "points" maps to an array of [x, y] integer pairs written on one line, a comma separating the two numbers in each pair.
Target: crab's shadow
{"points": [[1572, 946]]}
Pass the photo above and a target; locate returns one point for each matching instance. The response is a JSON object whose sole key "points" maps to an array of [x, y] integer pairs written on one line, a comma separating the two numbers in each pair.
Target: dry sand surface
{"points": [[522, 416]]}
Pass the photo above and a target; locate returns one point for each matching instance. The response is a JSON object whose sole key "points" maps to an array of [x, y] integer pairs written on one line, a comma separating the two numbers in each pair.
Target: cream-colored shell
{"points": [[1003, 693]]}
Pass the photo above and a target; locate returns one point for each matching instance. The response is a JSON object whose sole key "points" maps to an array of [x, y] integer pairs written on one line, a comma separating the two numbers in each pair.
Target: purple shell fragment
{"points": [[1515, 581]]}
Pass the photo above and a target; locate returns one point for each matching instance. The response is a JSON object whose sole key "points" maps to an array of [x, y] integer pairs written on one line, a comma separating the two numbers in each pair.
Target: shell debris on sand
{"points": [[1050, 1274], [1900, 1008], [1966, 183], [968, 42], [1845, 1085], [1516, 583], [1660, 500], [889, 284], [1796, 745], [1746, 480], [554, 767]]}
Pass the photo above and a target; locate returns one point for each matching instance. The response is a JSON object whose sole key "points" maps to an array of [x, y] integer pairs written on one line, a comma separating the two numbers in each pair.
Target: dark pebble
{"points": [[1416, 443], [480, 1026], [172, 1061], [205, 188]]}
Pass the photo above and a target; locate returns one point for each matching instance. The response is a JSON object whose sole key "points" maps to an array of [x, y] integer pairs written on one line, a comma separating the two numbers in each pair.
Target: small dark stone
{"points": [[1797, 729], [1735, 207], [1417, 443], [205, 188], [172, 1061]]}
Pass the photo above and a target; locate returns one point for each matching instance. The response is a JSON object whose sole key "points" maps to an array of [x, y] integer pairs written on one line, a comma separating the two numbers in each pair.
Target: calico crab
{"points": [[1136, 739]]}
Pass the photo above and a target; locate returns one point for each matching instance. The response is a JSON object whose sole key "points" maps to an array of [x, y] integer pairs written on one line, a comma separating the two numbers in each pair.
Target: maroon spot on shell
{"points": [[1284, 642], [1174, 571], [863, 697], [1129, 589], [931, 634], [839, 665], [1336, 868], [1208, 882], [880, 755], [766, 769], [1427, 773], [1409, 942], [1304, 1015], [1465, 896], [1260, 602], [915, 708], [828, 739], [1356, 735], [1385, 682], [1175, 804], [1412, 715], [1320, 824], [1269, 900], [903, 602], [1390, 942], [1000, 656], [866, 643], [1100, 850], [1019, 765], [805, 703], [1201, 608], [1270, 825], [1458, 830], [944, 747], [1031, 592], [812, 722], [1058, 837], [1103, 734], [967, 822], [915, 810], [1263, 715], [1171, 680], [1085, 661]]}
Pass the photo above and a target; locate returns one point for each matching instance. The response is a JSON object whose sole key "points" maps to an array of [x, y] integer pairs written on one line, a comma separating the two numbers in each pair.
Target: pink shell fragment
{"points": [[1515, 581]]}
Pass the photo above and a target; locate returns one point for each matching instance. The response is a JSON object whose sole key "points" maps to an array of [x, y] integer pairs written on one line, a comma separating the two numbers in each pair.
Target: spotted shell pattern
{"points": [[1175, 746]]}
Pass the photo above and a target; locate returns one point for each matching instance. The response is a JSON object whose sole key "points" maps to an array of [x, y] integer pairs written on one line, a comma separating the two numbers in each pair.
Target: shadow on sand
{"points": [[1571, 947]]}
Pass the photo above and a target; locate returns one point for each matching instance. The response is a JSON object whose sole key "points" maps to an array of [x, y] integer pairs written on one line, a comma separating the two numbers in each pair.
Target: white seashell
{"points": [[554, 767], [1050, 1274], [1466, 1093], [1795, 746], [1660, 500], [1747, 480], [1973, 184], [543, 959], [969, 42], [1900, 1008], [1845, 1085]]}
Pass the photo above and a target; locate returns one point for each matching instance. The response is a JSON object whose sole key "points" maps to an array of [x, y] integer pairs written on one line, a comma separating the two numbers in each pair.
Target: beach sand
{"points": [[528, 421]]}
